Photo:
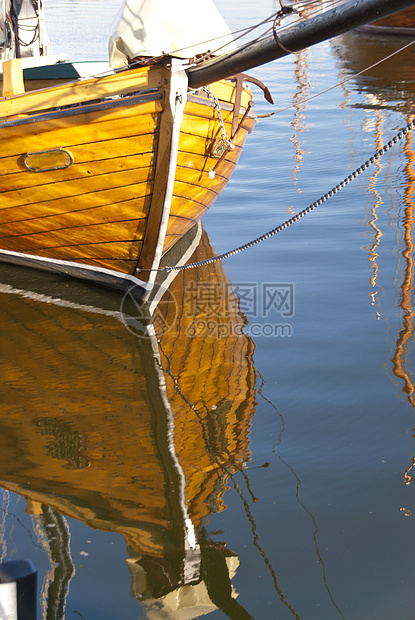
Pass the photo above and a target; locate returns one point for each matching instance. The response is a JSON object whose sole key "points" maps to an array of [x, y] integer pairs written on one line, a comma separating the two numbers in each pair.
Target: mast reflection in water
{"points": [[395, 90], [129, 432]]}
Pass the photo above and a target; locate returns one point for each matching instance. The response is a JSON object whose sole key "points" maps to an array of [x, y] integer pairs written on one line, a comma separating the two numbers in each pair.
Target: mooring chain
{"points": [[301, 214], [225, 139]]}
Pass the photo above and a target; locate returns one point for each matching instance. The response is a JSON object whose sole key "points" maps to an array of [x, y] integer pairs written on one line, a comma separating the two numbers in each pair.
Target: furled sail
{"points": [[183, 28]]}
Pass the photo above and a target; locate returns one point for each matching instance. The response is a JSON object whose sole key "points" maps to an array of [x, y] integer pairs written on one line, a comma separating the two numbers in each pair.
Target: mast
{"points": [[296, 37]]}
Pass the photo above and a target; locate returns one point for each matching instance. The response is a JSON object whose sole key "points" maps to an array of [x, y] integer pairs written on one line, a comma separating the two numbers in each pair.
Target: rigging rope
{"points": [[403, 132], [296, 9]]}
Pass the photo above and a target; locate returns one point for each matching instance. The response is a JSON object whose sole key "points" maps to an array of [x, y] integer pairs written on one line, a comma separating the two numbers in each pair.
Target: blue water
{"points": [[331, 532]]}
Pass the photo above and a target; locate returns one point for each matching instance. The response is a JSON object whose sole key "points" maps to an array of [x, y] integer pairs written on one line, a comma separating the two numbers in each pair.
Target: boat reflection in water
{"points": [[127, 428], [388, 87]]}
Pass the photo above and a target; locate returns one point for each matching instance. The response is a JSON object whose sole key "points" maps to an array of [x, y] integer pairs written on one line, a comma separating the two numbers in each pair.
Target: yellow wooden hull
{"points": [[105, 139]]}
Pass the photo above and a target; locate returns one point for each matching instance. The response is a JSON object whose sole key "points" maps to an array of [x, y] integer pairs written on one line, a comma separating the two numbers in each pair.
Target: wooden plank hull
{"points": [[387, 84], [401, 23], [90, 216]]}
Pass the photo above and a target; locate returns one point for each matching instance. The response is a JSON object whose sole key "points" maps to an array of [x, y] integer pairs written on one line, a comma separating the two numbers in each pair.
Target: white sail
{"points": [[183, 28]]}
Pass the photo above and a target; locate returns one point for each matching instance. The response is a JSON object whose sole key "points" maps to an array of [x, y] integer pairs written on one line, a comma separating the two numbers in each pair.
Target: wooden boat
{"points": [[387, 84], [87, 165], [135, 445], [101, 177], [401, 23]]}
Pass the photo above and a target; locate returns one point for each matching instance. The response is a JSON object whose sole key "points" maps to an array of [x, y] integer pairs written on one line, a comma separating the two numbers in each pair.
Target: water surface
{"points": [[273, 415]]}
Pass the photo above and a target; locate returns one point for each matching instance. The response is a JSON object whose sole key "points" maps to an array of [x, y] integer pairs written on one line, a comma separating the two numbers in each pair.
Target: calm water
{"points": [[277, 420]]}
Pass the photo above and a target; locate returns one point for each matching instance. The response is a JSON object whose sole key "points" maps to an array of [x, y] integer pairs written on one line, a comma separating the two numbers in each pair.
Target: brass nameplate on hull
{"points": [[43, 161]]}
